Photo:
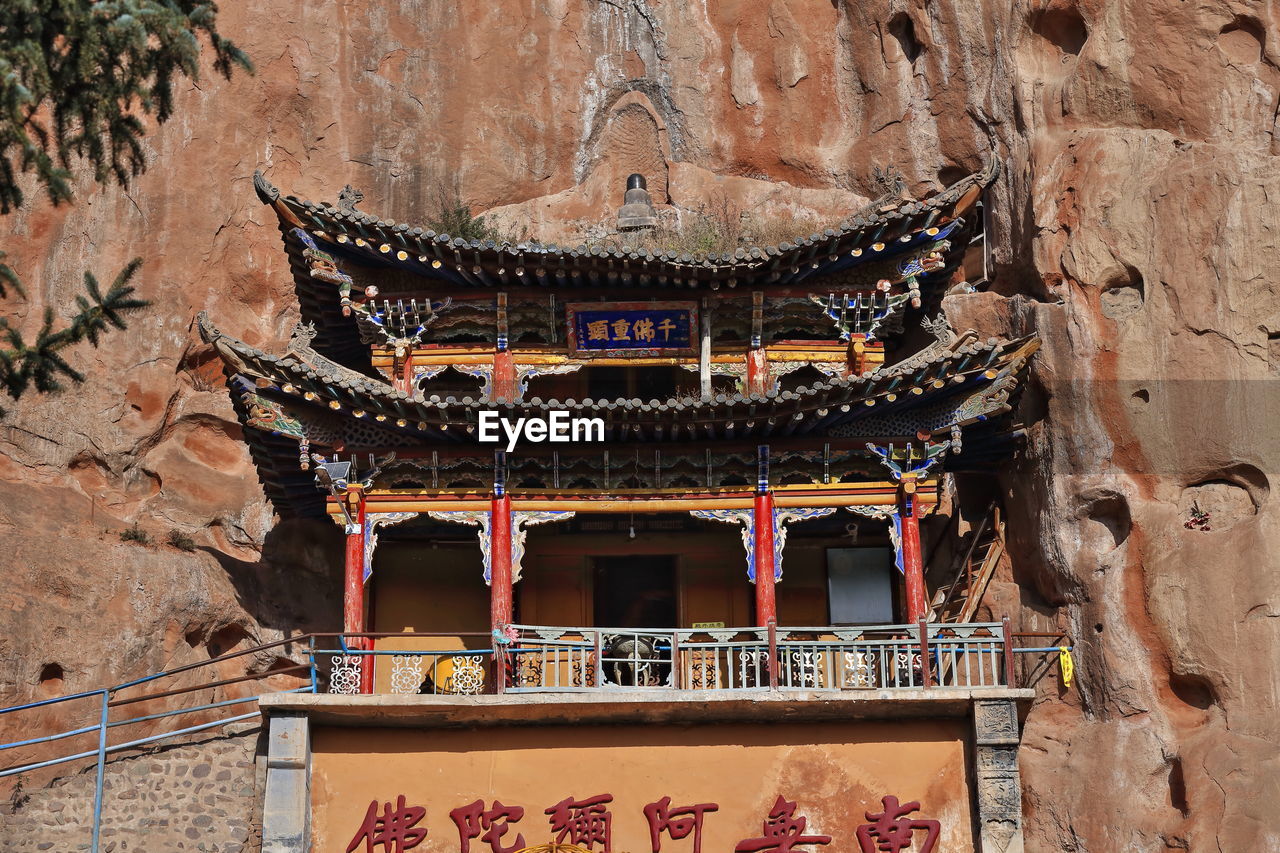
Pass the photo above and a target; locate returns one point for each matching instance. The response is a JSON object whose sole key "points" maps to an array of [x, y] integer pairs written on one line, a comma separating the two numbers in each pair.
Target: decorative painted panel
{"points": [[886, 512], [782, 516], [906, 461], [525, 372], [743, 517], [746, 518], [476, 518], [483, 371], [270, 416], [520, 519]]}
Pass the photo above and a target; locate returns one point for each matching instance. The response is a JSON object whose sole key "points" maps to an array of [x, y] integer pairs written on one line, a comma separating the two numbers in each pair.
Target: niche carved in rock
{"points": [[1105, 520], [1123, 294], [1063, 27], [1223, 499], [1242, 40]]}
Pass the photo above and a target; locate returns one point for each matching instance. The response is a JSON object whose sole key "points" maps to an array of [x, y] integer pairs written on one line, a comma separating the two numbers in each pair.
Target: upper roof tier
{"points": [[885, 228]]}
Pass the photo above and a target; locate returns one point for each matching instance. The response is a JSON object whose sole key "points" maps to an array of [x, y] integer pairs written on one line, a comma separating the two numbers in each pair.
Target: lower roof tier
{"points": [[951, 403], [957, 381]]}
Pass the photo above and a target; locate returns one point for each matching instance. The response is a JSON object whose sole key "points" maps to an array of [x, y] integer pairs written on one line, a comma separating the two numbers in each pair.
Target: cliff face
{"points": [[1134, 229]]}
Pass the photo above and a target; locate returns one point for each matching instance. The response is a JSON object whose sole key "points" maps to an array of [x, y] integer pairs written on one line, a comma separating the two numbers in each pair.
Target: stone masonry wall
{"points": [[201, 797]]}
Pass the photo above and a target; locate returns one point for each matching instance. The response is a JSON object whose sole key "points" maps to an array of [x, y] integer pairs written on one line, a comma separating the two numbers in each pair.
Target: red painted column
{"points": [[757, 371], [404, 381], [766, 604], [912, 564], [504, 376], [500, 607], [353, 584]]}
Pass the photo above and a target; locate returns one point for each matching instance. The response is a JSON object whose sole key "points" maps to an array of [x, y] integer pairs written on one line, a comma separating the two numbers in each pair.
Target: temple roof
{"points": [[951, 383], [336, 247], [881, 230]]}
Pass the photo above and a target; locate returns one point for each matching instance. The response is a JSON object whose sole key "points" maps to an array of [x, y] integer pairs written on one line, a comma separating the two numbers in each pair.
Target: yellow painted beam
{"points": [[653, 502], [482, 354]]}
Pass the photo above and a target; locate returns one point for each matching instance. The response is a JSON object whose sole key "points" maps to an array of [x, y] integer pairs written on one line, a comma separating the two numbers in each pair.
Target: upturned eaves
{"points": [[874, 232]]}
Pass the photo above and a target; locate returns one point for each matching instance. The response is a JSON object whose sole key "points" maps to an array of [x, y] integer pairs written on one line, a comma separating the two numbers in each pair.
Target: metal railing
{"points": [[308, 663], [526, 659], [406, 663], [99, 707], [546, 659]]}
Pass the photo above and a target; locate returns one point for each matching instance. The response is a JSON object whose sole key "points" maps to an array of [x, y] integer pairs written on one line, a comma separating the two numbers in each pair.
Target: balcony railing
{"points": [[544, 659], [199, 697]]}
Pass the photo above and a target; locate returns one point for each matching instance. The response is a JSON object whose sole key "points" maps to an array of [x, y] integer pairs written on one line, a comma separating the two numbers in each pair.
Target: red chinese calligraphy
{"points": [[677, 822], [394, 830], [891, 831], [489, 825], [782, 831], [583, 822]]}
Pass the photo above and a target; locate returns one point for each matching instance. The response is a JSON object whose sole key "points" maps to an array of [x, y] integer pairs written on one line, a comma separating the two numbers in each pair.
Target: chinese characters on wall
{"points": [[602, 327], [588, 823]]}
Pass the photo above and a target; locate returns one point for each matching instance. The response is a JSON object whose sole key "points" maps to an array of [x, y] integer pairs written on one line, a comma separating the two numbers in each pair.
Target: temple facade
{"points": [[643, 548]]}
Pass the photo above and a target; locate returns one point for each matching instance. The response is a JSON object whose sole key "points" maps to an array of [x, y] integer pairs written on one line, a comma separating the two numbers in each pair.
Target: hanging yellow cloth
{"points": [[1066, 666]]}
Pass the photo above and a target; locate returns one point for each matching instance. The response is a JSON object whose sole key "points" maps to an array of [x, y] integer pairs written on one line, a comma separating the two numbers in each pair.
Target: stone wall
{"points": [[201, 797]]}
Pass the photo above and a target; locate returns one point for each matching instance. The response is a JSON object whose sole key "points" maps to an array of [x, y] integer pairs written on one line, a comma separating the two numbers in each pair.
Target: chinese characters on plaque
{"points": [[489, 825], [587, 823], [603, 327]]}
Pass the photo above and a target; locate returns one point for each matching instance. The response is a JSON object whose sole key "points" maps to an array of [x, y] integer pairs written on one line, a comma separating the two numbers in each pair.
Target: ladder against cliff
{"points": [[958, 597]]}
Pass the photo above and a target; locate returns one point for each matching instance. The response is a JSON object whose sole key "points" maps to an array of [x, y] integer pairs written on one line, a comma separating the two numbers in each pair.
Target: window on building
{"points": [[860, 585], [635, 592]]}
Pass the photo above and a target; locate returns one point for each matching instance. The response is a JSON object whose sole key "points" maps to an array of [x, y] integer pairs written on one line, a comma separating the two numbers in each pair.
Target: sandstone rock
{"points": [[1134, 229]]}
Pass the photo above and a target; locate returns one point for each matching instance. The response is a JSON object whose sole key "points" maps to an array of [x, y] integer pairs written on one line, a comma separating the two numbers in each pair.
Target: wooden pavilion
{"points": [[811, 388]]}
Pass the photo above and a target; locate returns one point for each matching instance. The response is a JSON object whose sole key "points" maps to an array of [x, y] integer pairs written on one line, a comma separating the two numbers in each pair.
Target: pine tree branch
{"points": [[77, 78], [10, 278], [41, 364]]}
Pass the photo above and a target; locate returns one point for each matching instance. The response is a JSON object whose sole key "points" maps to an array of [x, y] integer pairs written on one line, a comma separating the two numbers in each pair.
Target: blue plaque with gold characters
{"points": [[632, 328]]}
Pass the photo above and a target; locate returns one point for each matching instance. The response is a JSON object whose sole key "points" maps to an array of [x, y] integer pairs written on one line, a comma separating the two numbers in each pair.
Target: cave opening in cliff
{"points": [[904, 32], [1062, 26]]}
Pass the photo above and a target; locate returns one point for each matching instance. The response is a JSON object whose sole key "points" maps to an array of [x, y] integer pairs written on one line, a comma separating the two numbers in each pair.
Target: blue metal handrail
{"points": [[105, 696], [104, 724]]}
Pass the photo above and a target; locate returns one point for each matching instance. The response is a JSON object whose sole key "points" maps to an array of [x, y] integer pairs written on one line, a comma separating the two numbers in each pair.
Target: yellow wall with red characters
{"points": [[834, 772]]}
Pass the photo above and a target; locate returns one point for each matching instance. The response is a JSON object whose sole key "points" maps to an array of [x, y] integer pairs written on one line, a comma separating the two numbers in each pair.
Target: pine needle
{"points": [[78, 77]]}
